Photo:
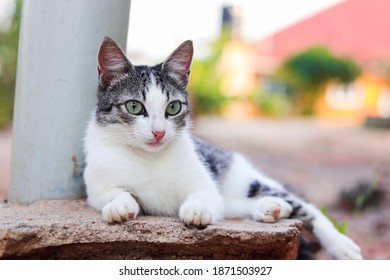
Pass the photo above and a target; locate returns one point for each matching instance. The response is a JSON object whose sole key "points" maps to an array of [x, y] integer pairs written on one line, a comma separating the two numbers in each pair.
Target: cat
{"points": [[141, 156]]}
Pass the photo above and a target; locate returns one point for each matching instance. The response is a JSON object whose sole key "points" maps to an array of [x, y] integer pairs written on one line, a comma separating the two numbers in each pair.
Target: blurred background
{"points": [[301, 87]]}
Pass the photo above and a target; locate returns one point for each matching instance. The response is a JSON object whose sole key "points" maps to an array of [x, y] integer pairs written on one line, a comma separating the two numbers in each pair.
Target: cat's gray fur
{"points": [[255, 195]]}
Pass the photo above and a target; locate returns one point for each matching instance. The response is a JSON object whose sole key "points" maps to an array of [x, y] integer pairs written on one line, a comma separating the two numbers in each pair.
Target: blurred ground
{"points": [[315, 158]]}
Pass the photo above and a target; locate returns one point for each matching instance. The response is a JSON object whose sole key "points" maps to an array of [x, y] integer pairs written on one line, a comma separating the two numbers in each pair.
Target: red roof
{"points": [[356, 28]]}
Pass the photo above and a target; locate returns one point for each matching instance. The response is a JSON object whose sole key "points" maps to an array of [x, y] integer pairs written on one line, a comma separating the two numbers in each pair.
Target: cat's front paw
{"points": [[197, 214], [269, 209], [122, 208], [343, 248]]}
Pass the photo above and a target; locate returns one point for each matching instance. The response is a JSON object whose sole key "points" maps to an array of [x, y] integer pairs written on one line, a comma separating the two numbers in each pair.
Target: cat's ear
{"points": [[178, 64], [112, 62]]}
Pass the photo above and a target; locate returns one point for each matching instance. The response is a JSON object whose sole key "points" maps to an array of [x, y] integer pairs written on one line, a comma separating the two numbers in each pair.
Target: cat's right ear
{"points": [[112, 62]]}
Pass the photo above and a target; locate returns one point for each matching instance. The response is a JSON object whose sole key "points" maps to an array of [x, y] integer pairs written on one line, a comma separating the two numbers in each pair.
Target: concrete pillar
{"points": [[56, 91]]}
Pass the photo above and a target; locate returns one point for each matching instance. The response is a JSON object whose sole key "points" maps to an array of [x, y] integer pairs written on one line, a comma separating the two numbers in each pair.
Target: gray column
{"points": [[56, 91]]}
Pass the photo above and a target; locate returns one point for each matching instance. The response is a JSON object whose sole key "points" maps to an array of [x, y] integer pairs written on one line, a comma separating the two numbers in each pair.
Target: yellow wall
{"points": [[369, 86]]}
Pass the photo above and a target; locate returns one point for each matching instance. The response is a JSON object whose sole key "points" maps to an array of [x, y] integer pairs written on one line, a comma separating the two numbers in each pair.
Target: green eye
{"points": [[173, 108], [135, 107]]}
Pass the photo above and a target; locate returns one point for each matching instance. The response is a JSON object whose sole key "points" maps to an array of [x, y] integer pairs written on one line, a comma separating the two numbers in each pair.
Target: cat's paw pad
{"points": [[343, 248], [196, 214], [120, 209], [270, 209]]}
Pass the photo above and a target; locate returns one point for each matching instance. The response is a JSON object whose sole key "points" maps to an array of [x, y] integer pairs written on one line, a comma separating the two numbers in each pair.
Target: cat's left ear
{"points": [[178, 64]]}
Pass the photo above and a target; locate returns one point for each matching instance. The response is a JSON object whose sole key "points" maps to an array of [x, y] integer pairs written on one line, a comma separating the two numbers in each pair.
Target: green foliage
{"points": [[205, 88], [205, 80], [313, 67], [367, 194], [8, 56], [273, 104], [341, 227], [308, 72]]}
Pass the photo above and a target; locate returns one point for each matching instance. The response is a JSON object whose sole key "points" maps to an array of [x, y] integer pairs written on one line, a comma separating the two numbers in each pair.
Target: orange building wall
{"points": [[371, 86]]}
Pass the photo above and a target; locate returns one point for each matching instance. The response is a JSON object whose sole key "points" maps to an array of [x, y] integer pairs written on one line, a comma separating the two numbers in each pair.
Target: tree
{"points": [[307, 73], [9, 40], [205, 79]]}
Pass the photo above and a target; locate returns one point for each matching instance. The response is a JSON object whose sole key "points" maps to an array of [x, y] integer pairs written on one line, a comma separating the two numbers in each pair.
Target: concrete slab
{"points": [[69, 229]]}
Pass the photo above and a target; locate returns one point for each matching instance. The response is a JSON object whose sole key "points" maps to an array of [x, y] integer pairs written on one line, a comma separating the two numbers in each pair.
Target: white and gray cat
{"points": [[141, 156]]}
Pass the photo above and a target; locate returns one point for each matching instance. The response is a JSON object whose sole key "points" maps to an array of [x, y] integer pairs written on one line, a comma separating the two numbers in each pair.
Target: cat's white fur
{"points": [[128, 169], [124, 170], [116, 168]]}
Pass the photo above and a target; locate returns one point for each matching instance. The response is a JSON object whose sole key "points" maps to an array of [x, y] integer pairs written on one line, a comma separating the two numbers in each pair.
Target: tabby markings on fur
{"points": [[141, 156]]}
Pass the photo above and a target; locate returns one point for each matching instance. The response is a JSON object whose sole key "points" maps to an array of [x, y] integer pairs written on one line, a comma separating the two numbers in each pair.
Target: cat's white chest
{"points": [[160, 182]]}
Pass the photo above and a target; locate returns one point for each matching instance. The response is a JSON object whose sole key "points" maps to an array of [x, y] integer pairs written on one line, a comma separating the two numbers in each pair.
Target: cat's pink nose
{"points": [[158, 135]]}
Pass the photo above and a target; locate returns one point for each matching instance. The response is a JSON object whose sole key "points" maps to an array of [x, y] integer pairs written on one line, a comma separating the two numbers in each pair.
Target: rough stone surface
{"points": [[65, 229]]}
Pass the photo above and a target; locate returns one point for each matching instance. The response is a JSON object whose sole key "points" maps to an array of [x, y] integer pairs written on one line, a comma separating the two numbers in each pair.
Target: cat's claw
{"points": [[122, 208], [270, 209], [196, 214]]}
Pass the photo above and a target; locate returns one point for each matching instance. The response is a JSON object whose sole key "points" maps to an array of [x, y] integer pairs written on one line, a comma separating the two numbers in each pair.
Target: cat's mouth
{"points": [[154, 144]]}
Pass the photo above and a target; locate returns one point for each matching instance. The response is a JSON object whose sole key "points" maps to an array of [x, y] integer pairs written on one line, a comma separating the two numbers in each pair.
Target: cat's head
{"points": [[145, 107]]}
